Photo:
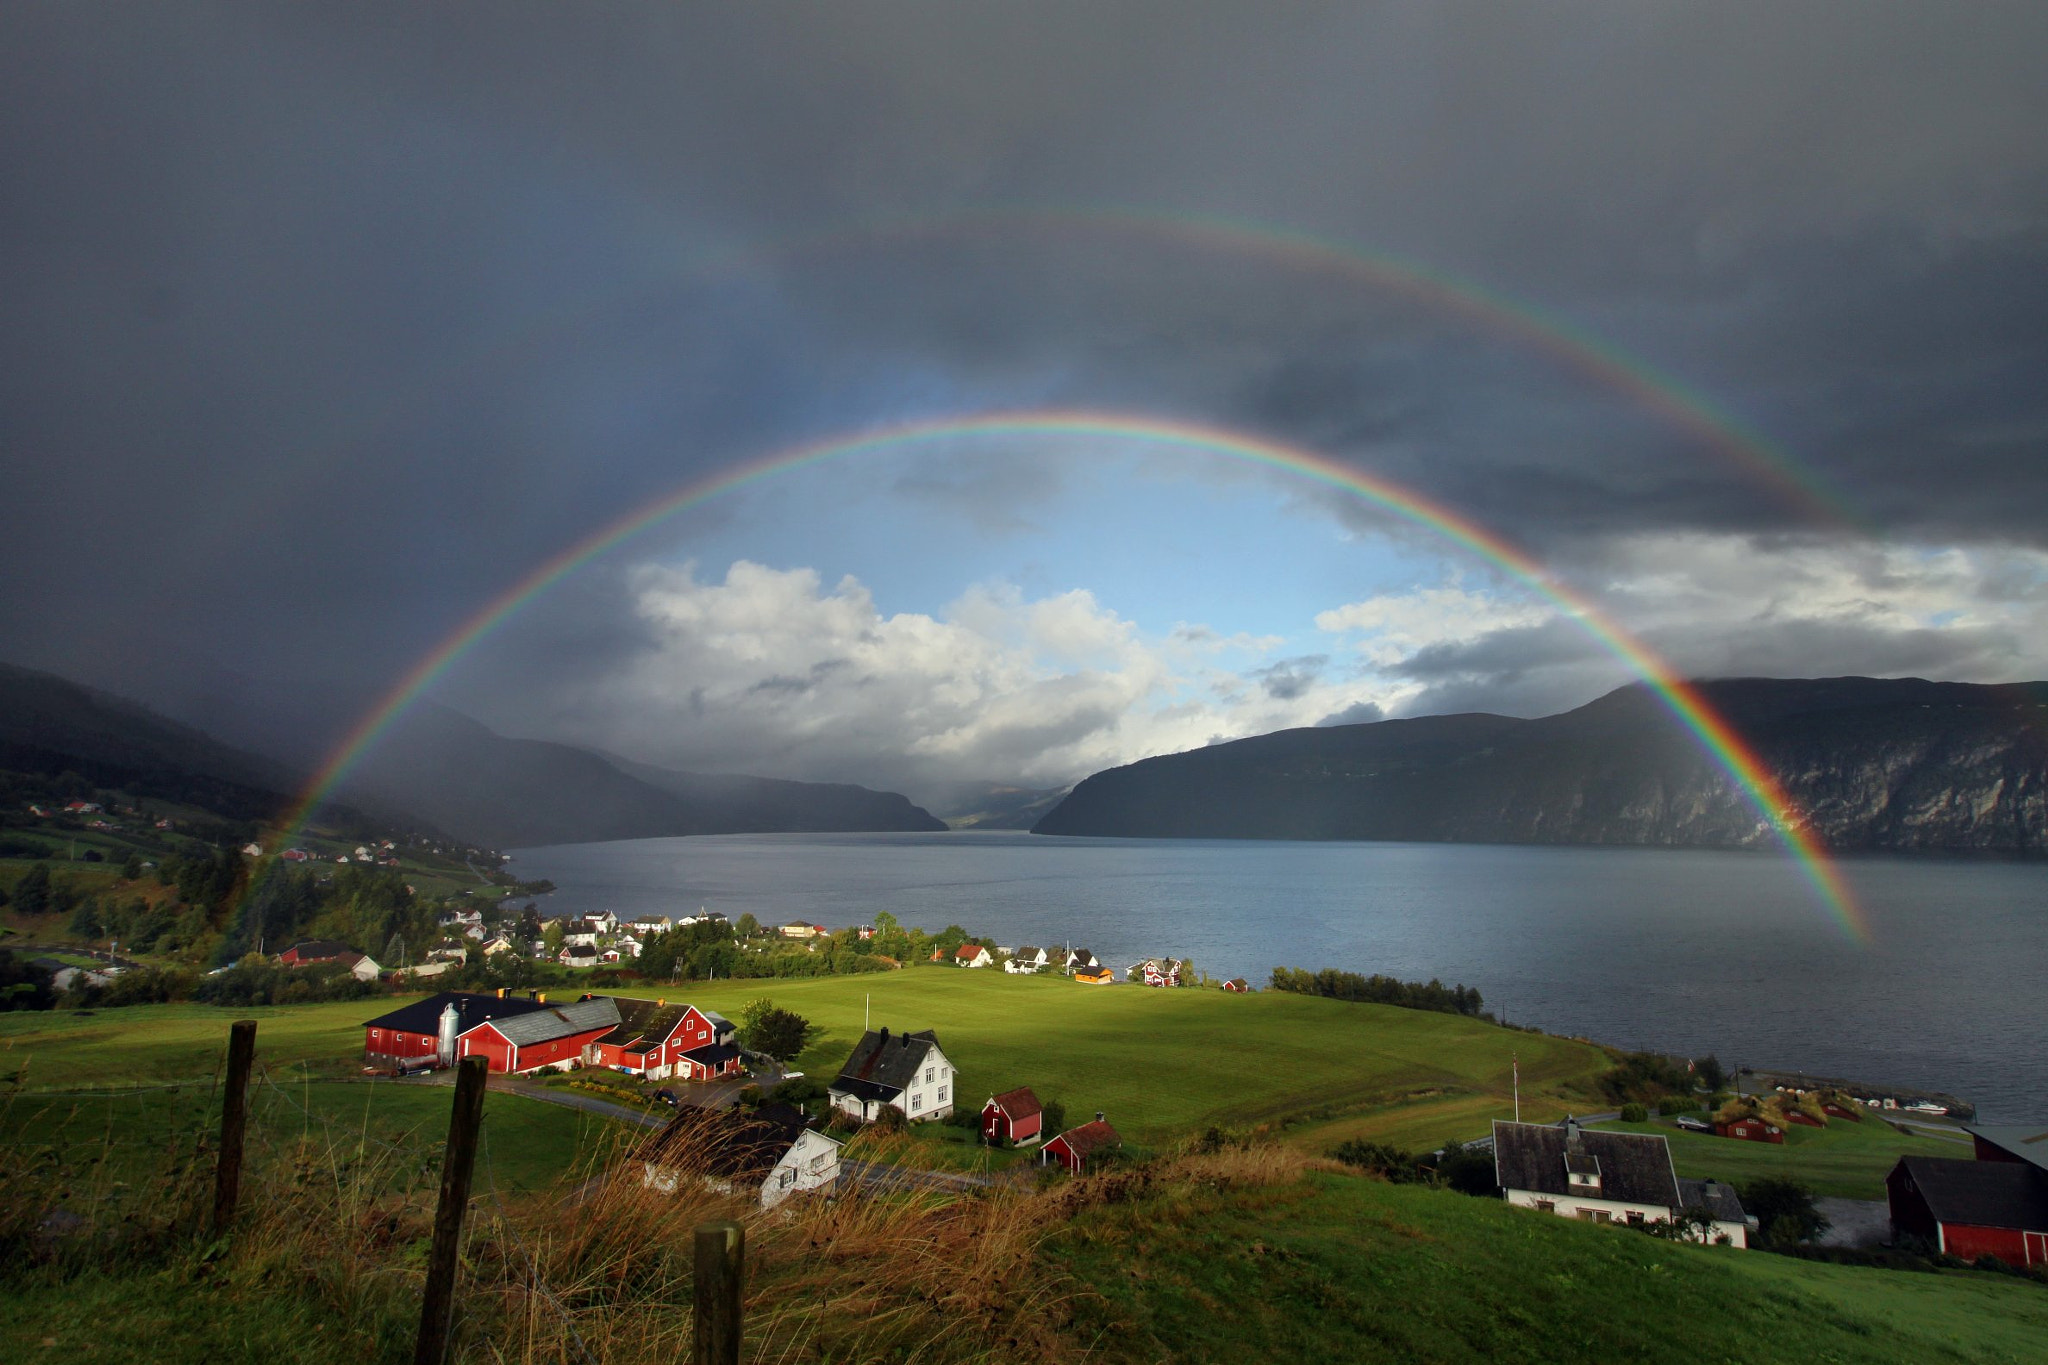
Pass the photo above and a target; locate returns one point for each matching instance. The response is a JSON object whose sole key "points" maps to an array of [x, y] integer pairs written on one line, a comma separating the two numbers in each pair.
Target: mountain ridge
{"points": [[1892, 764]]}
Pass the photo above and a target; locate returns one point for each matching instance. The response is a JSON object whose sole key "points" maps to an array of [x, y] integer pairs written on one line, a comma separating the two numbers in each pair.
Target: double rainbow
{"points": [[1683, 700]]}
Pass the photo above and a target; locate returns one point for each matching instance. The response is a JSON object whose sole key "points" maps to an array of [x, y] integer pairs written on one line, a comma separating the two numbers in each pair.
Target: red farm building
{"points": [[1835, 1109], [1237, 985], [1074, 1148], [1804, 1119], [1972, 1208], [659, 1040], [553, 1036], [316, 950], [1014, 1116], [410, 1037], [1750, 1130]]}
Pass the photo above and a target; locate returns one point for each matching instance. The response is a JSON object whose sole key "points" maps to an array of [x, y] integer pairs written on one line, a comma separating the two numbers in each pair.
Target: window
{"points": [[1546, 1206], [928, 1075], [786, 1176], [1635, 1220], [917, 1101], [942, 1094], [818, 1162]]}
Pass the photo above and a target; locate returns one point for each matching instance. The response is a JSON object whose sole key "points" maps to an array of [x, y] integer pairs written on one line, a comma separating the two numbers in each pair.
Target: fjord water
{"points": [[1686, 951]]}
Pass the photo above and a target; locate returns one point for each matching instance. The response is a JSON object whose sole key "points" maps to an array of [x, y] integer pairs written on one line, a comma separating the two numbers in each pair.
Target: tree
{"points": [[778, 1032], [748, 927], [1467, 1172], [131, 870], [1709, 1072], [1784, 1210], [551, 937], [1055, 1121], [32, 892]]}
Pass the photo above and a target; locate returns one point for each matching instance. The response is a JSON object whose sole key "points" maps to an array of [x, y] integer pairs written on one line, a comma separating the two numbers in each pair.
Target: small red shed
{"points": [[1972, 1208], [1804, 1119], [1013, 1116], [1073, 1148], [1237, 984], [1750, 1130]]}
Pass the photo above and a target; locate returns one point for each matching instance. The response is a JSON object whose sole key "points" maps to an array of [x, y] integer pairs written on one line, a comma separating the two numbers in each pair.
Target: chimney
{"points": [[885, 1034], [1098, 1116]]}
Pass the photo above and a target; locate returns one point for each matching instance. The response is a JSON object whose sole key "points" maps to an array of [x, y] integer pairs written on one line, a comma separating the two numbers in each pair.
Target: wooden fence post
{"points": [[437, 1304], [234, 1119], [721, 1265]]}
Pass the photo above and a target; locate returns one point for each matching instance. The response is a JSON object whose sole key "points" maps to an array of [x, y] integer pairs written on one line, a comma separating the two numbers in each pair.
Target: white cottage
{"points": [[903, 1071], [769, 1153], [1577, 1172]]}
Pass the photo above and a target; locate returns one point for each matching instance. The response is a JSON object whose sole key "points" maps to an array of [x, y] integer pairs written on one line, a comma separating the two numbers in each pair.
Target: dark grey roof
{"points": [[1988, 1194], [1716, 1196], [865, 1090], [887, 1061], [550, 1022], [471, 1009], [2027, 1141], [644, 1020], [1635, 1168], [731, 1142], [712, 1054]]}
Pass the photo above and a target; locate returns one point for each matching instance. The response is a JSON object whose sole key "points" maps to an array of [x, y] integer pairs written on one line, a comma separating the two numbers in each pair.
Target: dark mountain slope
{"points": [[735, 804], [1875, 763]]}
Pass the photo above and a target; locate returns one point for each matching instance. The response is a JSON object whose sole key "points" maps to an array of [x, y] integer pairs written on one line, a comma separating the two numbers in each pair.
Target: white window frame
{"points": [[916, 1103]]}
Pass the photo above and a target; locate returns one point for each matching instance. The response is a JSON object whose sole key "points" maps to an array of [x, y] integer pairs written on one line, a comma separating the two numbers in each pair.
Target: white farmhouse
{"points": [[1601, 1177], [903, 1071], [768, 1154]]}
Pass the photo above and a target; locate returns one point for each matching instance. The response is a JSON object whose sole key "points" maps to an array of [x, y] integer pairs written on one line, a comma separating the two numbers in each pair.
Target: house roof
{"points": [[719, 1023], [729, 1142], [550, 1022], [1990, 1194], [1715, 1196], [969, 950], [711, 1054], [2027, 1141], [471, 1009], [644, 1022], [1634, 1168], [1090, 1137], [885, 1061], [318, 949], [1019, 1103]]}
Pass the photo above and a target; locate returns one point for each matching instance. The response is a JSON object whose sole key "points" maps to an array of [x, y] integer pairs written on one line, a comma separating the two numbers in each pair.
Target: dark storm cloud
{"points": [[1288, 679], [325, 323]]}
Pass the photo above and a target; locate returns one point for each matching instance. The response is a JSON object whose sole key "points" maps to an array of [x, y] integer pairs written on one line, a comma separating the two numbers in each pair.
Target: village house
{"points": [[907, 1072], [1025, 961], [971, 955], [1074, 1148], [1749, 1129], [657, 1040], [1080, 960], [1237, 986], [797, 929], [1155, 971], [500, 944], [1996, 1205], [317, 951], [578, 955], [1577, 1172], [769, 1153], [650, 924], [1015, 1116], [865, 932], [290, 855]]}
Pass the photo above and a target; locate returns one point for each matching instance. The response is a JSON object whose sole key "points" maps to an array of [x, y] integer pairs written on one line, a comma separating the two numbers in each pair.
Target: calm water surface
{"points": [[1680, 950]]}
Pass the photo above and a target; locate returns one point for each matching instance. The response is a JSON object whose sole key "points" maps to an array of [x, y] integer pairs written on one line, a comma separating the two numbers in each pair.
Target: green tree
{"points": [[778, 1032], [748, 927], [552, 936], [32, 892], [131, 870], [1709, 1072], [1784, 1211]]}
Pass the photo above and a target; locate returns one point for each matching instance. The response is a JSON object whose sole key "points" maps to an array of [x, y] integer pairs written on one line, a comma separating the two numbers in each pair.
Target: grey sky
{"points": [[324, 323]]}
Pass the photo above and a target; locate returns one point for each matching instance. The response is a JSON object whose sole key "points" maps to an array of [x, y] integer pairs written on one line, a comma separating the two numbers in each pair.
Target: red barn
{"points": [[1073, 1148], [1972, 1208], [1013, 1116], [316, 950], [552, 1036], [1750, 1130], [409, 1036], [658, 1040], [1237, 984]]}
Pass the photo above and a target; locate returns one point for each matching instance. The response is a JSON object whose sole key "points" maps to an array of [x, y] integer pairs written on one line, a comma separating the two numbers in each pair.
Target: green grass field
{"points": [[1163, 1063], [1844, 1160], [1160, 1063], [1339, 1268]]}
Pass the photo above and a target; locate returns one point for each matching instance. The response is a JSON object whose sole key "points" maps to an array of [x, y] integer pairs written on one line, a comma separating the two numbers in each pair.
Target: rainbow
{"points": [[1681, 698]]}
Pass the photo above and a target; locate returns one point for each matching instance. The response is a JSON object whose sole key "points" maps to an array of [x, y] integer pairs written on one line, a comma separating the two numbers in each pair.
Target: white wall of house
{"points": [[1587, 1207], [929, 1096], [812, 1163]]}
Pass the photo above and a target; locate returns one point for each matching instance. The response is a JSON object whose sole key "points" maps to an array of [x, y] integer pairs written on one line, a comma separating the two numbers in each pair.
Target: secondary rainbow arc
{"points": [[1683, 700]]}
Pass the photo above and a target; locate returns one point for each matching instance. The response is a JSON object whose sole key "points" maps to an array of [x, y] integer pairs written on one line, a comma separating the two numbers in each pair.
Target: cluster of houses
{"points": [[522, 1034]]}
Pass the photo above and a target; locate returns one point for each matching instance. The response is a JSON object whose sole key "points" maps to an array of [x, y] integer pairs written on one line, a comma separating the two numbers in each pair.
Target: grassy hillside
{"points": [[1845, 1159], [1161, 1062]]}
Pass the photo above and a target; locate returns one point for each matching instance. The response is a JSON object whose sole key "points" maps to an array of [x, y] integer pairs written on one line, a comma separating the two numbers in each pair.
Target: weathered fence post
{"points": [[721, 1264], [234, 1118], [438, 1302]]}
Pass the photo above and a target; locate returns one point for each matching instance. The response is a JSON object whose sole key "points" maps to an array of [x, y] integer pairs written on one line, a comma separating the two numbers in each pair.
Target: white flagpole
{"points": [[1518, 1087]]}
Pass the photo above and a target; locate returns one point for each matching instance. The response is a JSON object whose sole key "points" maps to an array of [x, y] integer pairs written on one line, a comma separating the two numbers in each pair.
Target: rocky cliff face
{"points": [[1871, 763]]}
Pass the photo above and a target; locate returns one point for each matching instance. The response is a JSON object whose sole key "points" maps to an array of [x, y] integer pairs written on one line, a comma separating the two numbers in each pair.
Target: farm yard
{"points": [[1845, 1160]]}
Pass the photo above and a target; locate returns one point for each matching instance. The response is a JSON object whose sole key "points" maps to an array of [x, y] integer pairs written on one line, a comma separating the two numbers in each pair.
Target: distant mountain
{"points": [[51, 725], [513, 793], [992, 805], [1874, 763]]}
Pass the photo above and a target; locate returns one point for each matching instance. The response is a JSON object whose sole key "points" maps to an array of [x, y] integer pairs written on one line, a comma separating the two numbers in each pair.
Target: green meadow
{"points": [[1847, 1160], [1160, 1063]]}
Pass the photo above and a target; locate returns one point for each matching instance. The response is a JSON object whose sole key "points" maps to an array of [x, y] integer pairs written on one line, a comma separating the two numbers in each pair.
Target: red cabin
{"points": [[1073, 1148], [1972, 1208], [1750, 1130], [1236, 984], [1842, 1111], [1804, 1119], [1014, 1116]]}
